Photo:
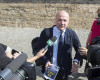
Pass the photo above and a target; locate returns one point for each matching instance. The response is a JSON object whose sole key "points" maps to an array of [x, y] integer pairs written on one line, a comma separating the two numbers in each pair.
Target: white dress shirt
{"points": [[56, 32]]}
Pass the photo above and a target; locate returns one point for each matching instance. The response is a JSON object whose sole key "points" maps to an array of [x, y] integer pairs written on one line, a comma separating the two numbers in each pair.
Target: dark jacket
{"points": [[70, 40]]}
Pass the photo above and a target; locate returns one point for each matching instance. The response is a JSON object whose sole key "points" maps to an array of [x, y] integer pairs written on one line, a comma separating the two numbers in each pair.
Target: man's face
{"points": [[62, 20]]}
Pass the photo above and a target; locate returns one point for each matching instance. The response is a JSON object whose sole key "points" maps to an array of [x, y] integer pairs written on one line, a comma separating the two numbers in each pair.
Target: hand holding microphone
{"points": [[42, 51], [50, 42]]}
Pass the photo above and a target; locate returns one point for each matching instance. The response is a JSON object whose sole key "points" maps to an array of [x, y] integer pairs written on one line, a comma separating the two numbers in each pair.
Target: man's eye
{"points": [[60, 20], [65, 20]]}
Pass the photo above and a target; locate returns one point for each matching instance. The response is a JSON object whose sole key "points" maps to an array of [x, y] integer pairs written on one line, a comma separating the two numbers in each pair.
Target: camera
{"points": [[25, 72], [93, 58]]}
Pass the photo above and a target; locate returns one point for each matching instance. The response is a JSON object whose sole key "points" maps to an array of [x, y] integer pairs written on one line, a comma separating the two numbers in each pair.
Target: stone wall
{"points": [[42, 15], [52, 1]]}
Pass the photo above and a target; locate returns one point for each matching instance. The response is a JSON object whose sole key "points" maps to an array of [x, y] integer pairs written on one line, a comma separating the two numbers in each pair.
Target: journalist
{"points": [[95, 29], [7, 55], [94, 32]]}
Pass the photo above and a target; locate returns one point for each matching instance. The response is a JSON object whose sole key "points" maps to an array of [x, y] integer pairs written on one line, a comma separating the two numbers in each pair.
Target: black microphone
{"points": [[50, 42], [12, 67]]}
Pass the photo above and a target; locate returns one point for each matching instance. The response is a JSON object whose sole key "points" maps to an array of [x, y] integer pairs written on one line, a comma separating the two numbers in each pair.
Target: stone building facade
{"points": [[41, 13]]}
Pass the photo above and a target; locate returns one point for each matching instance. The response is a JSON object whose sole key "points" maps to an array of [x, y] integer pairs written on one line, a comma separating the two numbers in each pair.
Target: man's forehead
{"points": [[62, 17], [63, 12]]}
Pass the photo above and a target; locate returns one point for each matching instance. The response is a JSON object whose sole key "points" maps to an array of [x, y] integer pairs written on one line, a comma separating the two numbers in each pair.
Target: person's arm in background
{"points": [[88, 39], [38, 55], [90, 33]]}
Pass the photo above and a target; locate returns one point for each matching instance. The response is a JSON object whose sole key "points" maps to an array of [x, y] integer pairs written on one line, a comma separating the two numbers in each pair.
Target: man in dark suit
{"points": [[61, 54]]}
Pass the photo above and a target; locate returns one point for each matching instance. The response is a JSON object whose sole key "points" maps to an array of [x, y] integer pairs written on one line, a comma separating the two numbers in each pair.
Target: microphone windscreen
{"points": [[53, 39], [17, 62]]}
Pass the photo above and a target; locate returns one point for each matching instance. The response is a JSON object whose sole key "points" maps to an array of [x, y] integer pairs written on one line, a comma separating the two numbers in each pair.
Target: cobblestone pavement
{"points": [[20, 39]]}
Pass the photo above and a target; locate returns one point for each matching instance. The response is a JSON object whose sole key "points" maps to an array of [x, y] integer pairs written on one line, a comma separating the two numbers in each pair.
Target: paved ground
{"points": [[20, 39]]}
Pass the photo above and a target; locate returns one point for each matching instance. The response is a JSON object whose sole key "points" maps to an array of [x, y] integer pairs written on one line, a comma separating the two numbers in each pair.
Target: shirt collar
{"points": [[57, 30]]}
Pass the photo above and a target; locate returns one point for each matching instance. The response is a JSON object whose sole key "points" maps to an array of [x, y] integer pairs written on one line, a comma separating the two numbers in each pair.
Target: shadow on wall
{"points": [[53, 1]]}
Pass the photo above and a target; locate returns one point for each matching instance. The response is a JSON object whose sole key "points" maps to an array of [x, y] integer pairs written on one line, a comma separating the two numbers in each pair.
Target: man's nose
{"points": [[62, 22]]}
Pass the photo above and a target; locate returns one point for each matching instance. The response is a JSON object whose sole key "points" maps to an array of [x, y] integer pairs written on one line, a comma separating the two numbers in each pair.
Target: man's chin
{"points": [[62, 28]]}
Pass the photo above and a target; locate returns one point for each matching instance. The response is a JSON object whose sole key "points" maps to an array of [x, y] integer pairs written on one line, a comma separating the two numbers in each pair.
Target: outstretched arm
{"points": [[38, 55], [32, 59]]}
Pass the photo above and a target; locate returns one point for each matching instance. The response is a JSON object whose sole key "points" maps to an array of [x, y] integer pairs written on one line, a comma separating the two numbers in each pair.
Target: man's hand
{"points": [[75, 67], [48, 64], [83, 51]]}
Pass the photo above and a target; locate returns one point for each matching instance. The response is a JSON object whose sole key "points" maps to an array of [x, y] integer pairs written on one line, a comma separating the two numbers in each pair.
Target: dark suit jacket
{"points": [[70, 40]]}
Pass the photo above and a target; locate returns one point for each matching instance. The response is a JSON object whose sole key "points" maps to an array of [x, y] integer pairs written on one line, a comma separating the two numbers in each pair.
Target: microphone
{"points": [[12, 67], [50, 42]]}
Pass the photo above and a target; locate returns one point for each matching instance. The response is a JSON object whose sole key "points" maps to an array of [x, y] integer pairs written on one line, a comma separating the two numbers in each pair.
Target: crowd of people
{"points": [[60, 54]]}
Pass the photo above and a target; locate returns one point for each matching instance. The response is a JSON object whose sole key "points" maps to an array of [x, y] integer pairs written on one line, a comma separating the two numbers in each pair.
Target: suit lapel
{"points": [[51, 35]]}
